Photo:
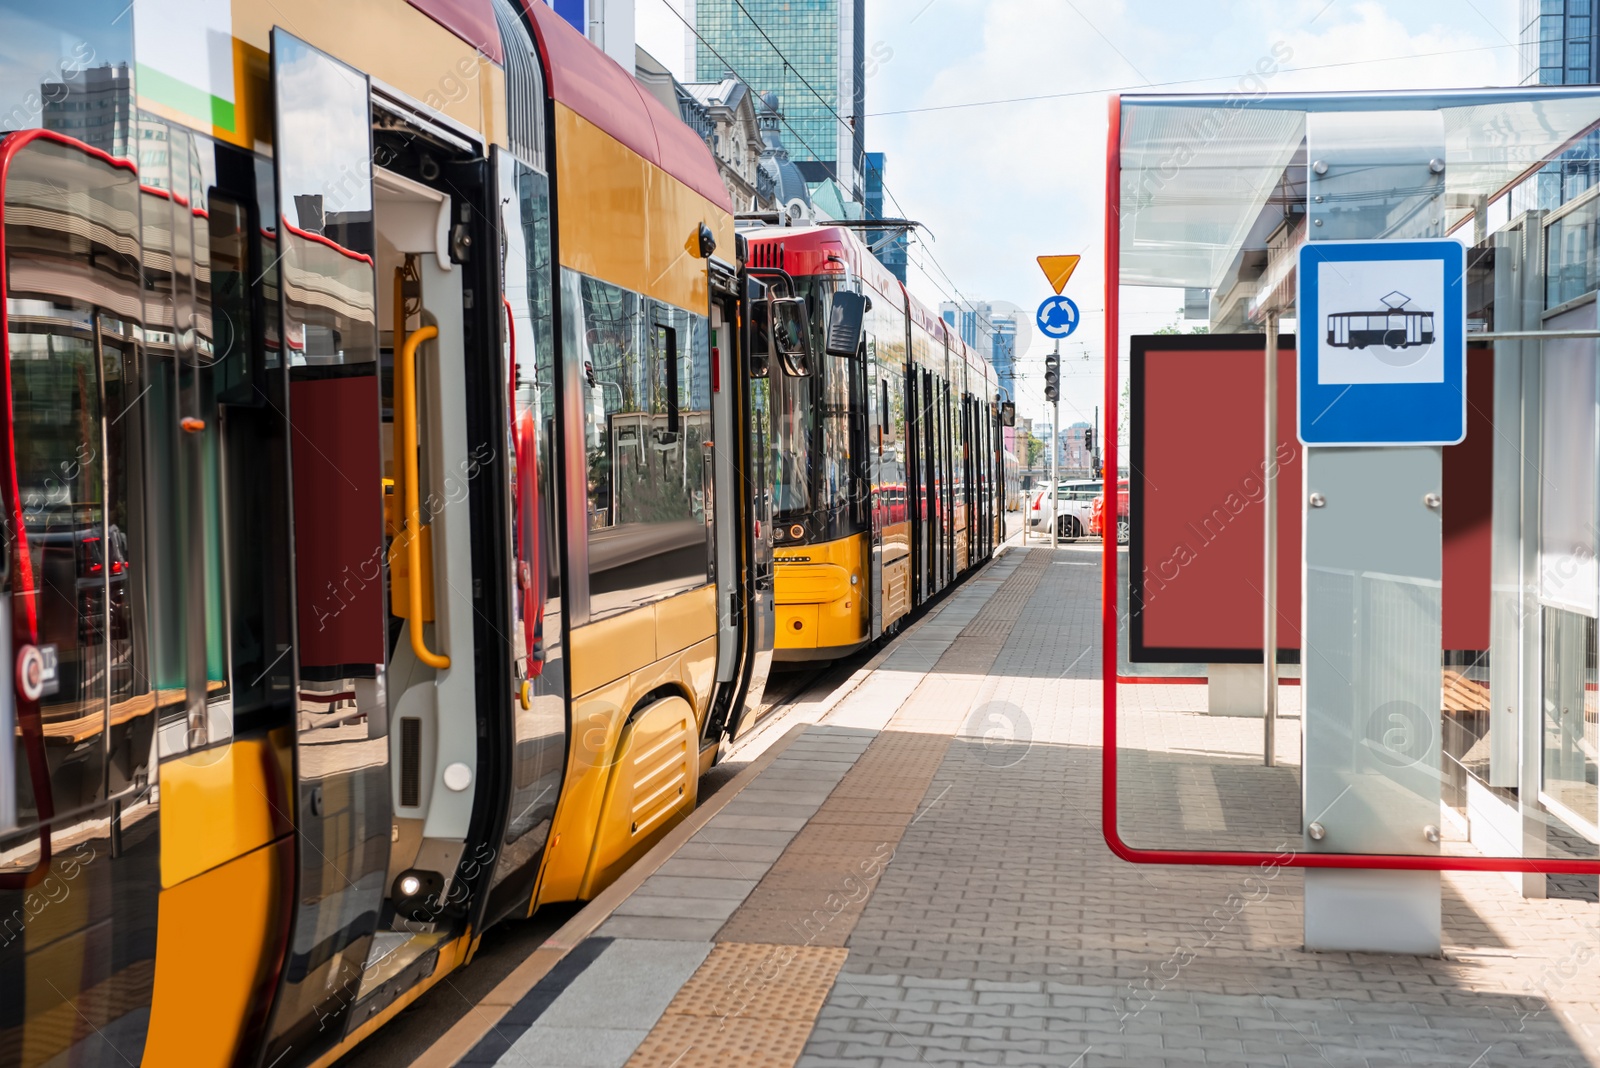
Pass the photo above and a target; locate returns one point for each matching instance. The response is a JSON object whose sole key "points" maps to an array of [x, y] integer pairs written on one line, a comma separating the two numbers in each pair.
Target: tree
{"points": [[1033, 447]]}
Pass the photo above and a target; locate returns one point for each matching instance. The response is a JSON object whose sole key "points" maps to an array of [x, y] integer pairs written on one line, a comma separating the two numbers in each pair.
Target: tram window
{"points": [[646, 481], [837, 456], [760, 312]]}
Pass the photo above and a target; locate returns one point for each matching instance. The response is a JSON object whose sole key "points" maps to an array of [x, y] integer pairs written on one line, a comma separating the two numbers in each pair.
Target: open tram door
{"points": [[390, 803], [742, 361]]}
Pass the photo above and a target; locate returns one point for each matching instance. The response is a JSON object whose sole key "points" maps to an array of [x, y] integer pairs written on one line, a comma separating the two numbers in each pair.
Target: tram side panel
{"points": [[635, 357]]}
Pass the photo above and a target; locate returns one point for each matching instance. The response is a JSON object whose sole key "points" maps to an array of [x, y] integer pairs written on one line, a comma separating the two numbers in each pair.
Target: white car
{"points": [[1077, 498]]}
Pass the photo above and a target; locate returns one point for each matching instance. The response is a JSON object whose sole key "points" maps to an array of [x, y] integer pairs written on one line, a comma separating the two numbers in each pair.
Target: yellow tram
{"points": [[379, 509]]}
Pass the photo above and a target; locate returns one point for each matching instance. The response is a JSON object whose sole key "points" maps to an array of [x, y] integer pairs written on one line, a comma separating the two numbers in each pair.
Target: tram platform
{"points": [[919, 877]]}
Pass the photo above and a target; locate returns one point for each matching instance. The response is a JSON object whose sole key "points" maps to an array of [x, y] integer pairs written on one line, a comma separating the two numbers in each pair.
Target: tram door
{"points": [[386, 699], [928, 410], [536, 606], [949, 454], [742, 505], [912, 478]]}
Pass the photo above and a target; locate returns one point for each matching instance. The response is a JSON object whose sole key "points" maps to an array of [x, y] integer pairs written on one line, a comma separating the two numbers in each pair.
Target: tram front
{"points": [[822, 515]]}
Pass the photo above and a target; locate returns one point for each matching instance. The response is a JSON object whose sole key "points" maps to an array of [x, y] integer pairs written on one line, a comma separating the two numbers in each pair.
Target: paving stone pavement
{"points": [[996, 927], [1004, 931]]}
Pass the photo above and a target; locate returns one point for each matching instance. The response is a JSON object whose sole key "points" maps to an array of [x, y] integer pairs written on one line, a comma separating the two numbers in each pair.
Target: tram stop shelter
{"points": [[1429, 596]]}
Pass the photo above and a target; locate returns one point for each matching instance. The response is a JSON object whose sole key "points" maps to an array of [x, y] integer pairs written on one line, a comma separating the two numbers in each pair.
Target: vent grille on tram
{"points": [[525, 98], [767, 256]]}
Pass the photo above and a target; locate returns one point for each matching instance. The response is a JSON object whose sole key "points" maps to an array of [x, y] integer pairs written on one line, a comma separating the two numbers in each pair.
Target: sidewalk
{"points": [[921, 878]]}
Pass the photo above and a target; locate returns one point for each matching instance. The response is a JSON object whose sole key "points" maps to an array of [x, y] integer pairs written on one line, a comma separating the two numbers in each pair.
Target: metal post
{"points": [[1269, 583], [1055, 461]]}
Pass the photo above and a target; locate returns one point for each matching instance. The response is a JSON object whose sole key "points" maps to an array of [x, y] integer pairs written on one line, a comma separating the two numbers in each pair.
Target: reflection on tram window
{"points": [[645, 376], [794, 434], [69, 335], [70, 68], [836, 455], [325, 206], [188, 637]]}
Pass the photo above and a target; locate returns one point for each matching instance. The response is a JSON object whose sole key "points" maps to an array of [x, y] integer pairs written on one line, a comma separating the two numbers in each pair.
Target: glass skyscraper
{"points": [[813, 62], [1557, 42]]}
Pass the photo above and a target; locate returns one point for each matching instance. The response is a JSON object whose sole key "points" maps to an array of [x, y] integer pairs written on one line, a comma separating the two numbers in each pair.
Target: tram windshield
{"points": [[812, 438]]}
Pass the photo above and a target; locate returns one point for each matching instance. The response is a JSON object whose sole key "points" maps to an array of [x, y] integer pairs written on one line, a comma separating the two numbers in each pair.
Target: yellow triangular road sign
{"points": [[1058, 269]]}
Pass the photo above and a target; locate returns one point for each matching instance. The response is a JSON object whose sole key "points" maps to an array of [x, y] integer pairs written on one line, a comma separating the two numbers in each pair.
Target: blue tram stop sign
{"points": [[1382, 343]]}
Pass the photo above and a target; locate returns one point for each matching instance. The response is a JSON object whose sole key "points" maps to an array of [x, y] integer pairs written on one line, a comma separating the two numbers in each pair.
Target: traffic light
{"points": [[1052, 377], [1088, 442]]}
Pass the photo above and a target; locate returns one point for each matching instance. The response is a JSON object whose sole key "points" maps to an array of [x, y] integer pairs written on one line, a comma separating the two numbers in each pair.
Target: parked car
{"points": [[1076, 499], [1097, 524]]}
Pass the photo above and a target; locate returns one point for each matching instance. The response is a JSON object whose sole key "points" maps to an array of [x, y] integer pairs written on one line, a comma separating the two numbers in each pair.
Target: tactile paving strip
{"points": [[713, 1042], [747, 1004], [767, 982]]}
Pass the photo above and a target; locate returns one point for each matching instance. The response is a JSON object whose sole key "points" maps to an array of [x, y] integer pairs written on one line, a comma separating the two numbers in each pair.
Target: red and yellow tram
{"points": [[889, 483]]}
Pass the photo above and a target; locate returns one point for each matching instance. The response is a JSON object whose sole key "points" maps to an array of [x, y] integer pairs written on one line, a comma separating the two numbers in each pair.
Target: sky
{"points": [[1000, 183]]}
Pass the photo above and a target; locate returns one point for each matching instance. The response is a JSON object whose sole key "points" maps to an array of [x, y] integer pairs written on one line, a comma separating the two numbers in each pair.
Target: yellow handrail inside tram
{"points": [[406, 409]]}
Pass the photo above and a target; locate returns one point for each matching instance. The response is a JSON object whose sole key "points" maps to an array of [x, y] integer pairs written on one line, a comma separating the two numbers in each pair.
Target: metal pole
{"points": [[1055, 461], [1269, 585]]}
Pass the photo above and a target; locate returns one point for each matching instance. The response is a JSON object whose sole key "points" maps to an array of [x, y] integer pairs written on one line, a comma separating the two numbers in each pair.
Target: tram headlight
{"points": [[410, 885]]}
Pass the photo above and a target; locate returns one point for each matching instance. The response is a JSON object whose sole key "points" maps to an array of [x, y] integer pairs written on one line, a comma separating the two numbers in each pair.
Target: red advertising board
{"points": [[1196, 481], [1198, 457]]}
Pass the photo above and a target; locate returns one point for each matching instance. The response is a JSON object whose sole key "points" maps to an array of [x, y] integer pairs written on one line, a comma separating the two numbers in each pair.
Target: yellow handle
{"points": [[405, 404]]}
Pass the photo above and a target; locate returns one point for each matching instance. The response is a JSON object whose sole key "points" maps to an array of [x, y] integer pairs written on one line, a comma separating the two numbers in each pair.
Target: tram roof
{"points": [[471, 20], [806, 249]]}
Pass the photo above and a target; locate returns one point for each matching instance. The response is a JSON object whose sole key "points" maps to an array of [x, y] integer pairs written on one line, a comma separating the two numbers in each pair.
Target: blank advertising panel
{"points": [[1197, 456], [1197, 466]]}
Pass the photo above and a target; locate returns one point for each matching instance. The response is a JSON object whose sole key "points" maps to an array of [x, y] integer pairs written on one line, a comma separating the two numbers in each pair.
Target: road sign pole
{"points": [[1055, 464], [1057, 317]]}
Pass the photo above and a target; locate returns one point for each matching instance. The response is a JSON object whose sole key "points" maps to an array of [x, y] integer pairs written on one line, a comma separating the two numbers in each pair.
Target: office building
{"points": [[1557, 40], [809, 52]]}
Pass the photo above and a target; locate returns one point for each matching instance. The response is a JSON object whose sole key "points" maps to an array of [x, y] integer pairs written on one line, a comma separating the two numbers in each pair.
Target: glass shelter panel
{"points": [[1475, 747]]}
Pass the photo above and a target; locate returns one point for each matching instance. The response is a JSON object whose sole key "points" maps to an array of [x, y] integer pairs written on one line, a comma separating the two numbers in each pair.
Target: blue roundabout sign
{"points": [[1057, 317]]}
